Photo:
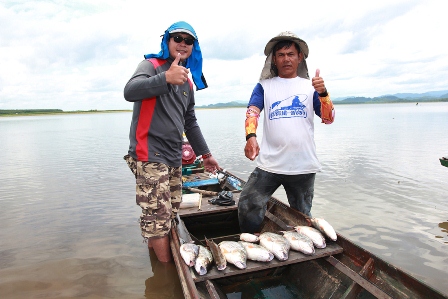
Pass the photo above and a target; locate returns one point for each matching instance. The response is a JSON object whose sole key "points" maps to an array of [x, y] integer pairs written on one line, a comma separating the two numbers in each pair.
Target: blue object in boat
{"points": [[201, 183]]}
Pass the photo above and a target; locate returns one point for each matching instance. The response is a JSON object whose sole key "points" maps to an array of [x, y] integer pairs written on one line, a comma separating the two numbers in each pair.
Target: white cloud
{"points": [[79, 55]]}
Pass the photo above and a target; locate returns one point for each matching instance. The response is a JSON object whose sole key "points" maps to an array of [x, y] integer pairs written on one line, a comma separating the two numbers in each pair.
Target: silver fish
{"points": [[246, 237], [257, 252], [299, 242], [314, 234], [189, 252], [203, 260], [325, 227], [234, 253], [276, 244], [218, 257]]}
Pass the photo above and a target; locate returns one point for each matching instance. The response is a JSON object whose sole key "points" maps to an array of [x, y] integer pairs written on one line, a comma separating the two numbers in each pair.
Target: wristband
{"points": [[250, 135], [206, 156], [324, 94]]}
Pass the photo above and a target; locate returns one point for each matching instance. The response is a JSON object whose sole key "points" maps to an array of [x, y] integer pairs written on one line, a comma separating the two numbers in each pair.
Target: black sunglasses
{"points": [[178, 39]]}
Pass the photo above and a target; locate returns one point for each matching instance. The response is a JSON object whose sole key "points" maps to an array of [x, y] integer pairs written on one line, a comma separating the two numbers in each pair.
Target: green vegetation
{"points": [[224, 105], [405, 98], [352, 100], [388, 99], [28, 112]]}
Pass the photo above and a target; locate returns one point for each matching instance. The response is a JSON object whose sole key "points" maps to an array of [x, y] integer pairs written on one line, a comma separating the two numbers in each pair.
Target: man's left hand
{"points": [[318, 83], [211, 165]]}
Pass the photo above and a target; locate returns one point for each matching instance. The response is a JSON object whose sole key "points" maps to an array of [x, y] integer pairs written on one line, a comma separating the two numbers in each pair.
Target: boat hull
{"points": [[341, 270]]}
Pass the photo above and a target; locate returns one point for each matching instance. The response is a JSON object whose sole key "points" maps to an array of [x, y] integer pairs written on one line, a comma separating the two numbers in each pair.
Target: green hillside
{"points": [[389, 99], [224, 105]]}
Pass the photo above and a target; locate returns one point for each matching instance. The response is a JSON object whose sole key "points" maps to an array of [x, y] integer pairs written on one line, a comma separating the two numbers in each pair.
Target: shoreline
{"points": [[29, 112], [39, 112]]}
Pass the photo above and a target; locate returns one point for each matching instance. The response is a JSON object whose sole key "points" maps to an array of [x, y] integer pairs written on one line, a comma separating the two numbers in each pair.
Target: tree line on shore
{"points": [[28, 111], [352, 100], [17, 112], [237, 104]]}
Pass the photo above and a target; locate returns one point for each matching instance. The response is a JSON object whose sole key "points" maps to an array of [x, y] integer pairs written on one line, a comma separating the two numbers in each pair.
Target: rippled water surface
{"points": [[69, 221]]}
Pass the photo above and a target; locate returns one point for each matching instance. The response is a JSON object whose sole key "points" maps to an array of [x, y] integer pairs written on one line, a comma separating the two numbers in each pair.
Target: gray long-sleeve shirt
{"points": [[162, 112]]}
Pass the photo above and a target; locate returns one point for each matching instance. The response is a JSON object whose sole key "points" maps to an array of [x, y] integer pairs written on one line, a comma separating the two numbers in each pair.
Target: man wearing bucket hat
{"points": [[287, 155], [163, 98]]}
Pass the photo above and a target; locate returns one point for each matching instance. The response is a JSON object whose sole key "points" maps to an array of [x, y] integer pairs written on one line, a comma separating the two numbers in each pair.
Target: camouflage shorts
{"points": [[158, 193]]}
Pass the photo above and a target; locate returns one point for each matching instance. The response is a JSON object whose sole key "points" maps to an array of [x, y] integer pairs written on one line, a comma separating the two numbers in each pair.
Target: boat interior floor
{"points": [[340, 270], [223, 227]]}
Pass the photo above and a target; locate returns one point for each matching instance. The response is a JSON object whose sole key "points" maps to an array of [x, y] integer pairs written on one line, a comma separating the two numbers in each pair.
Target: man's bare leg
{"points": [[162, 248]]}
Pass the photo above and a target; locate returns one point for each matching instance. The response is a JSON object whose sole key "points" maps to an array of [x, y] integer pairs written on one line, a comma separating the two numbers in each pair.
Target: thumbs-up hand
{"points": [[318, 83], [176, 74]]}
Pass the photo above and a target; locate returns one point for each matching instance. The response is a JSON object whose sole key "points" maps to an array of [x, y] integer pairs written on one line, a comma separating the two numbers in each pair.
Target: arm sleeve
{"points": [[324, 108], [193, 131], [197, 141], [316, 104], [145, 83], [257, 97]]}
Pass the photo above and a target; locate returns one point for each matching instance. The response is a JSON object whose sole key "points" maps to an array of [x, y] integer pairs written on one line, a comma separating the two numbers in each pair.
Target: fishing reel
{"points": [[188, 155]]}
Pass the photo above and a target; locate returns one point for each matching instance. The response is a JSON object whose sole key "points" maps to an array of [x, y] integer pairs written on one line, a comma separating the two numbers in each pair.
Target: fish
{"points": [[246, 237], [257, 252], [234, 253], [299, 242], [276, 244], [218, 256], [189, 252], [325, 227], [314, 234], [203, 260]]}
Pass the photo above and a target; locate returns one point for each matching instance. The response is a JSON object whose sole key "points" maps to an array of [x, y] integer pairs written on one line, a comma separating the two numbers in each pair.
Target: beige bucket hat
{"points": [[302, 70]]}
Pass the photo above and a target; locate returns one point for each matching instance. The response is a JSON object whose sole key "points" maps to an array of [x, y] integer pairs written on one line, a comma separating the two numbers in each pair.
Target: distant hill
{"points": [[431, 96], [224, 105]]}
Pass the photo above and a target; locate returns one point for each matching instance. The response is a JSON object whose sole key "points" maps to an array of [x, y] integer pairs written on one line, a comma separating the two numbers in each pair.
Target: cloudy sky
{"points": [[78, 55]]}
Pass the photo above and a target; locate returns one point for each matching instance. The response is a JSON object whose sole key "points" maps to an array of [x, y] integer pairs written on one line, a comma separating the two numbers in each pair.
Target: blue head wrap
{"points": [[194, 62]]}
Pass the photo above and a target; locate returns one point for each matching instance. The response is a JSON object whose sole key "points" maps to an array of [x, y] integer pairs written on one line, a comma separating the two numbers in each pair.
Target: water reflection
{"points": [[164, 282], [67, 199]]}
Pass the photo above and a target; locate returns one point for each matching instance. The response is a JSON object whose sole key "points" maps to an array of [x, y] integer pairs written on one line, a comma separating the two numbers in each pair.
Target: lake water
{"points": [[69, 221]]}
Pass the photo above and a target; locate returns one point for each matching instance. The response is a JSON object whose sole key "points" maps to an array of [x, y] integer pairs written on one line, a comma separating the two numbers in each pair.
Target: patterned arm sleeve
{"points": [[326, 107], [252, 115]]}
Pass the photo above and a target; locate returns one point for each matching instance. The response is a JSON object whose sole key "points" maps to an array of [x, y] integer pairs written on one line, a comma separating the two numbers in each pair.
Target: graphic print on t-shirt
{"points": [[289, 107]]}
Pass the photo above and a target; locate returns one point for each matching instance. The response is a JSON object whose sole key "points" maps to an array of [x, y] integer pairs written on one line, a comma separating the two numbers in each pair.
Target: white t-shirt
{"points": [[288, 146]]}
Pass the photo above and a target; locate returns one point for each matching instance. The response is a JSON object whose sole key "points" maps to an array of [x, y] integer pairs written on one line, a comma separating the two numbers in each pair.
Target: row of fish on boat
{"points": [[262, 248]]}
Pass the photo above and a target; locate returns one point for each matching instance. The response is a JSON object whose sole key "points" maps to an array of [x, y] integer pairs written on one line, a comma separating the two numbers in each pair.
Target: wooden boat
{"points": [[341, 270], [444, 161]]}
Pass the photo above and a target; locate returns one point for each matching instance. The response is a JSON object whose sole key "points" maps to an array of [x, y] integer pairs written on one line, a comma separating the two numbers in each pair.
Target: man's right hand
{"points": [[176, 74], [251, 149]]}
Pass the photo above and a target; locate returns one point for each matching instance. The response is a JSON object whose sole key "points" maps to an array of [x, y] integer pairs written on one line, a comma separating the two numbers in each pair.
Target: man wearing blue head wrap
{"points": [[163, 98], [194, 62]]}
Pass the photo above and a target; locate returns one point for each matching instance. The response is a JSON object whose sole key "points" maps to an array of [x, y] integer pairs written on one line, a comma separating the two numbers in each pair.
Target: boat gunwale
{"points": [[359, 257]]}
